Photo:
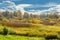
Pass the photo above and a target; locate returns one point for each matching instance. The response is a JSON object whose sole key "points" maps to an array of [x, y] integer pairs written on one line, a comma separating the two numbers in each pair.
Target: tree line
{"points": [[19, 15]]}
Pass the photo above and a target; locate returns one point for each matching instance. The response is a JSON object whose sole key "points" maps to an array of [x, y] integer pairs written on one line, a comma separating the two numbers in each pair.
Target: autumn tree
{"points": [[19, 15], [26, 16], [31, 15], [10, 14], [15, 14], [42, 16], [53, 15], [6, 14]]}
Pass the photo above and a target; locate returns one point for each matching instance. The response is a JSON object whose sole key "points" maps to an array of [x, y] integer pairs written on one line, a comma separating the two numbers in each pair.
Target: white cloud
{"points": [[51, 4], [11, 6], [54, 7], [8, 5], [22, 6]]}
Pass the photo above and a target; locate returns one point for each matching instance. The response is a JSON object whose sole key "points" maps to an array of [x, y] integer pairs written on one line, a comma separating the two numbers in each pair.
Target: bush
{"points": [[16, 24], [11, 32], [5, 31], [1, 32], [48, 37], [48, 22]]}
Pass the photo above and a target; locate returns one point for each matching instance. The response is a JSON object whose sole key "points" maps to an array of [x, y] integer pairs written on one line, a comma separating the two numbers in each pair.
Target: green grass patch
{"points": [[13, 37]]}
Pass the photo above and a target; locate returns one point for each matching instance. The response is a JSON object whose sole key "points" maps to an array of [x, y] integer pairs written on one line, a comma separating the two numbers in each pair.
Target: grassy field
{"points": [[34, 32], [29, 27], [12, 37], [42, 31]]}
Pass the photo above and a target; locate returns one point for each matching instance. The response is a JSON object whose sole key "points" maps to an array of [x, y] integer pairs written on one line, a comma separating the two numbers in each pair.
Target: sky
{"points": [[36, 6]]}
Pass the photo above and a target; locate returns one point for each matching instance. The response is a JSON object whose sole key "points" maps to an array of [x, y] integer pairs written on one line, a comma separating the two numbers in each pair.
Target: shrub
{"points": [[48, 37], [48, 22], [22, 34], [5, 31], [1, 32], [16, 24], [11, 32]]}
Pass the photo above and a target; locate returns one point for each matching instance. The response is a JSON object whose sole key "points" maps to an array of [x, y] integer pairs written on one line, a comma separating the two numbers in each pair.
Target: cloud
{"points": [[22, 6], [53, 7], [11, 6], [51, 4], [7, 5]]}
